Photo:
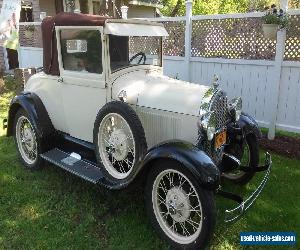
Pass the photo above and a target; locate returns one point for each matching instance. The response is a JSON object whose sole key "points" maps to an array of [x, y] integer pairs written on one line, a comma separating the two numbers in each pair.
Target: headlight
{"points": [[208, 122], [235, 108]]}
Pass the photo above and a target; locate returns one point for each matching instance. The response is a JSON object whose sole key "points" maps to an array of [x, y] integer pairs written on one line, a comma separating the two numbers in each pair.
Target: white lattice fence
{"points": [[174, 44], [234, 38], [32, 38], [149, 45], [292, 43], [249, 65]]}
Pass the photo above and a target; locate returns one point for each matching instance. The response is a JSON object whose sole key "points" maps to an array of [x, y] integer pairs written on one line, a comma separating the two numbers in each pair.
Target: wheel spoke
{"points": [[163, 188], [185, 231], [130, 150], [164, 214], [128, 162], [170, 179], [181, 181], [194, 224], [161, 199]]}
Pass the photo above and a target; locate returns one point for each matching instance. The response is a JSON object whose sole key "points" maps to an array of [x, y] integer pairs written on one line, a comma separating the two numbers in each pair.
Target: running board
{"points": [[82, 168]]}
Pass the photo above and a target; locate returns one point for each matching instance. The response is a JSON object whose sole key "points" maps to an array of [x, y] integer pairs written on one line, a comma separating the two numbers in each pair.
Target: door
{"points": [[82, 78], [12, 57]]}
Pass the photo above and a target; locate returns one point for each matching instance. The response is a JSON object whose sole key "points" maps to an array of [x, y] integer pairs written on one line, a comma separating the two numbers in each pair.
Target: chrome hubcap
{"points": [[177, 202], [177, 206], [116, 146], [26, 140]]}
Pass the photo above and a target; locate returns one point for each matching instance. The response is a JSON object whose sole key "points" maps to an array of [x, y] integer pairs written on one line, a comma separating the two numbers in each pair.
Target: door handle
{"points": [[60, 80]]}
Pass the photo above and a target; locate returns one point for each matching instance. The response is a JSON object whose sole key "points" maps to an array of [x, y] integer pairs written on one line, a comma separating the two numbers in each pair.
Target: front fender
{"points": [[36, 111], [245, 125], [248, 124], [191, 157]]}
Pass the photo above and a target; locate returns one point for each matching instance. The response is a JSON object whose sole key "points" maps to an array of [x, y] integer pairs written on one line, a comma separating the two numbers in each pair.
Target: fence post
{"points": [[187, 38], [124, 10], [280, 46], [284, 4]]}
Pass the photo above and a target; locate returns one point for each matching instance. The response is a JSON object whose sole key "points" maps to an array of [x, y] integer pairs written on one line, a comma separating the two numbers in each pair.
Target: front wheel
{"points": [[180, 210]]}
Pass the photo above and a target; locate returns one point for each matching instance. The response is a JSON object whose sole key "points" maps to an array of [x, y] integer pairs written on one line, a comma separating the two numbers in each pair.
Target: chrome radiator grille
{"points": [[219, 106]]}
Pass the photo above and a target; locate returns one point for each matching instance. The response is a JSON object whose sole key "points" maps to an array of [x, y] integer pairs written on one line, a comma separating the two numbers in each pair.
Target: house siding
{"points": [[136, 11], [36, 10]]}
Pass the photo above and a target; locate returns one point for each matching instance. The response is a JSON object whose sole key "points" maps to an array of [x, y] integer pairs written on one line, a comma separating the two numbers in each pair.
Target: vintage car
{"points": [[102, 109]]}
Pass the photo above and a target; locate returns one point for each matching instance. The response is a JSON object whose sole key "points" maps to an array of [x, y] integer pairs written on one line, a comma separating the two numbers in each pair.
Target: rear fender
{"points": [[36, 111]]}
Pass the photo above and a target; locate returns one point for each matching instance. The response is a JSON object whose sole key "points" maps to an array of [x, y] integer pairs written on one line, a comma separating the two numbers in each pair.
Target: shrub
{"points": [[9, 83]]}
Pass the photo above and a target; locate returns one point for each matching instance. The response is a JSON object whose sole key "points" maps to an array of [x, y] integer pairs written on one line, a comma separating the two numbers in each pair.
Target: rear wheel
{"points": [[27, 141], [180, 210]]}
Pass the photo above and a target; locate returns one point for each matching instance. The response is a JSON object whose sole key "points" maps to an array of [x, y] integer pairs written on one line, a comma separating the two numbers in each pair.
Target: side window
{"points": [[81, 50]]}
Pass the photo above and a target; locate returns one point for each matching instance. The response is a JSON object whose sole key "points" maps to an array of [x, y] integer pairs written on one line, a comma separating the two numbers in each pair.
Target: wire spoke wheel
{"points": [[116, 145], [26, 140], [177, 206]]}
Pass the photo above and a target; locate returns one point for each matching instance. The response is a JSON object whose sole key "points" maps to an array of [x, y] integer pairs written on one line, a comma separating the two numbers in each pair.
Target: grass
{"points": [[281, 133], [51, 209]]}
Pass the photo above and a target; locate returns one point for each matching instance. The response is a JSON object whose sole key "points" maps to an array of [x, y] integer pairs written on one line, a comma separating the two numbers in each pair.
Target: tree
{"points": [[294, 4], [203, 7]]}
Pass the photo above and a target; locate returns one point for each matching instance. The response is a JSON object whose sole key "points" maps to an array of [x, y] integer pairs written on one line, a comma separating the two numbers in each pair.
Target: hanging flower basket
{"points": [[273, 21]]}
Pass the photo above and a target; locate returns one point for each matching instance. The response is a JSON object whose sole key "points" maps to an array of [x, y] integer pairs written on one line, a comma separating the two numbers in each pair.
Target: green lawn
{"points": [[51, 209]]}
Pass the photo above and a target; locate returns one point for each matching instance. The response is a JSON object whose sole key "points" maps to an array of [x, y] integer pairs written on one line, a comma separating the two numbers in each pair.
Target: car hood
{"points": [[151, 89]]}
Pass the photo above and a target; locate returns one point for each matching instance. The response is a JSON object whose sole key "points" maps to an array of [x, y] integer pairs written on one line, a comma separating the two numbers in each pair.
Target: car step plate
{"points": [[81, 168]]}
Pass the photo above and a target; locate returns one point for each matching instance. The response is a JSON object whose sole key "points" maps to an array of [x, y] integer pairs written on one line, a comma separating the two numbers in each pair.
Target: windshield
{"points": [[130, 51]]}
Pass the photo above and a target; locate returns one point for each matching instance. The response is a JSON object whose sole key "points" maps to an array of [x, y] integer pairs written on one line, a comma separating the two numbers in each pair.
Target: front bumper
{"points": [[235, 213]]}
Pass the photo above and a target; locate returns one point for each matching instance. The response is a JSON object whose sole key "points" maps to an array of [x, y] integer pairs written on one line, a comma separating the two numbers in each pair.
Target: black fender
{"points": [[191, 157], [36, 110], [244, 126], [249, 126]]}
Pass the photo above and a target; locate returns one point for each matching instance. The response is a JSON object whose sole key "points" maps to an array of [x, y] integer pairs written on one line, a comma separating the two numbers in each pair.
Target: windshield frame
{"points": [[160, 56]]}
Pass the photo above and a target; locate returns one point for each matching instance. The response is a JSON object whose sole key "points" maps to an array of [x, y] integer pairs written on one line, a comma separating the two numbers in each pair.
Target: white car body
{"points": [[74, 99], [157, 99]]}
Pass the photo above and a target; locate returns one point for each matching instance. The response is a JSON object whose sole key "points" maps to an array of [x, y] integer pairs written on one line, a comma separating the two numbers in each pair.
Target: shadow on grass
{"points": [[51, 208]]}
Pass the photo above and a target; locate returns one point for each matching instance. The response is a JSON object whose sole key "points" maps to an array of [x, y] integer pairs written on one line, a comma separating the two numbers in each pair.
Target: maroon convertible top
{"points": [[50, 60]]}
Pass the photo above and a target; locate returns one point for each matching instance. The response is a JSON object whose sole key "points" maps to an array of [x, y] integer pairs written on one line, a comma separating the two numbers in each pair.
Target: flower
{"points": [[273, 16]]}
